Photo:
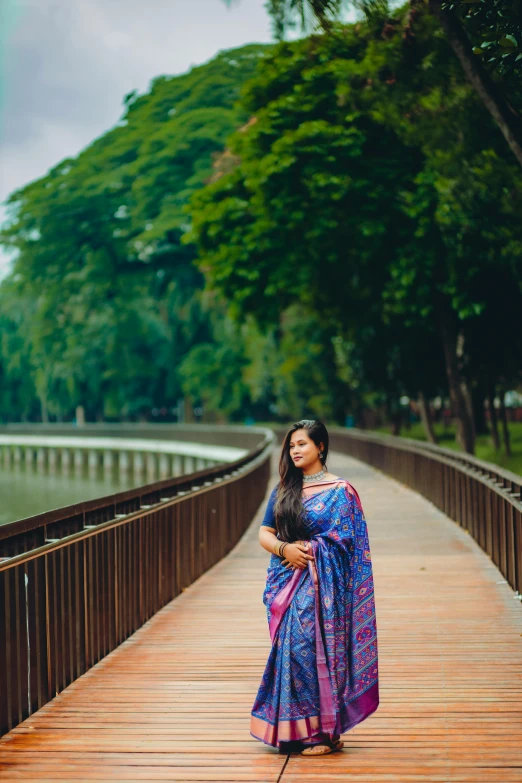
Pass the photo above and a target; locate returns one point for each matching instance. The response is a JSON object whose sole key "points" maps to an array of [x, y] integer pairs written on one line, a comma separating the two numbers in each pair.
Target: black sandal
{"points": [[327, 746]]}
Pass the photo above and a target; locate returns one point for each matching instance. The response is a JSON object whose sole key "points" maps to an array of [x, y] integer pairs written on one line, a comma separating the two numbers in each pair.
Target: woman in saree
{"points": [[321, 677]]}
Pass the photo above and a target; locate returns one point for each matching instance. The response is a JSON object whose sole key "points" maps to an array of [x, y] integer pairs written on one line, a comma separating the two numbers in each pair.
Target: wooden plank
{"points": [[173, 701]]}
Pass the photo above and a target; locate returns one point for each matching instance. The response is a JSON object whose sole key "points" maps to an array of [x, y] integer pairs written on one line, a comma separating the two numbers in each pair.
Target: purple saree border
{"points": [[359, 709], [326, 700], [351, 714], [282, 601], [280, 604]]}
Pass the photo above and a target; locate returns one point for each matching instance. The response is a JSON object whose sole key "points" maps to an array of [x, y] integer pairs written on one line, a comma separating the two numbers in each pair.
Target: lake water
{"points": [[24, 491]]}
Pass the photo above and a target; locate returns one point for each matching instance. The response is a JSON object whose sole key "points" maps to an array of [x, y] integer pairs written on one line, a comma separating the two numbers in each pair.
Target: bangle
{"points": [[282, 549], [276, 547]]}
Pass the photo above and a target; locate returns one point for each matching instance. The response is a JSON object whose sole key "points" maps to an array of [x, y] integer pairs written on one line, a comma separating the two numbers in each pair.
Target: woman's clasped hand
{"points": [[297, 555]]}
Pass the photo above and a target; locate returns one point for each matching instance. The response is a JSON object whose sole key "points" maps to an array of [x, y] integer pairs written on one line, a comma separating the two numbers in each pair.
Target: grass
{"points": [[483, 447]]}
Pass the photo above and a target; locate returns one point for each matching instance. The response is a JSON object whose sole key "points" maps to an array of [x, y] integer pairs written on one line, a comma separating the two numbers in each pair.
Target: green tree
{"points": [[345, 198], [18, 398], [498, 23], [108, 295]]}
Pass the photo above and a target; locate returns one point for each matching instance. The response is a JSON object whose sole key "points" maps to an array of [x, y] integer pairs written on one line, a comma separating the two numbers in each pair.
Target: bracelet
{"points": [[282, 548]]}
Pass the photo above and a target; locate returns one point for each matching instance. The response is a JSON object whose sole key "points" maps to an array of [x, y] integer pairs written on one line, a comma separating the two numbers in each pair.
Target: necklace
{"points": [[315, 476]]}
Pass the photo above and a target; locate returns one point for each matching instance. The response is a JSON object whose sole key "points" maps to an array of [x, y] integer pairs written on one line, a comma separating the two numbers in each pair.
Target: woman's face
{"points": [[303, 451]]}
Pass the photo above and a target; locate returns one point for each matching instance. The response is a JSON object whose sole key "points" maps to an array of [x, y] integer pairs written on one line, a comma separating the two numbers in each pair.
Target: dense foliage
{"points": [[104, 306], [374, 187], [495, 27], [485, 37]]}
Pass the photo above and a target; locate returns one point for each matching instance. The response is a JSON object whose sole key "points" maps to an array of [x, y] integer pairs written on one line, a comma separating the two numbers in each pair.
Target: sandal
{"points": [[326, 747]]}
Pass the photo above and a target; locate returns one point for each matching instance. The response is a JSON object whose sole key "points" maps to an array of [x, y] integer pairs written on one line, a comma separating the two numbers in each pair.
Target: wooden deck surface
{"points": [[173, 702]]}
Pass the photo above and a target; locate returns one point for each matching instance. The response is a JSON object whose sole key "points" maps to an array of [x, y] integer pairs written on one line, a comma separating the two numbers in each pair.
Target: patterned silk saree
{"points": [[321, 674]]}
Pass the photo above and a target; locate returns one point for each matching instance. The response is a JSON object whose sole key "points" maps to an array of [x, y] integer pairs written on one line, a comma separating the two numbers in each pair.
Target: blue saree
{"points": [[322, 671]]}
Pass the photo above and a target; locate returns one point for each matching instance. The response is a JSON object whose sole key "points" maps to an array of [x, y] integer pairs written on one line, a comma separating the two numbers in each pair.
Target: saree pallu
{"points": [[322, 670]]}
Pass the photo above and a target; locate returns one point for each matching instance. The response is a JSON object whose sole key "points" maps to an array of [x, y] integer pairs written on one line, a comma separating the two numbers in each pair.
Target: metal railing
{"points": [[481, 497], [78, 581]]}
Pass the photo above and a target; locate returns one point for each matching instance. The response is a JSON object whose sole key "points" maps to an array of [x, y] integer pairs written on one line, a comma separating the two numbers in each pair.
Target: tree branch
{"points": [[503, 114]]}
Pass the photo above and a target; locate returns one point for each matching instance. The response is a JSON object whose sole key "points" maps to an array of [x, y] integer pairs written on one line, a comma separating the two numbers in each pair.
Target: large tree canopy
{"points": [[373, 187], [104, 302], [485, 35]]}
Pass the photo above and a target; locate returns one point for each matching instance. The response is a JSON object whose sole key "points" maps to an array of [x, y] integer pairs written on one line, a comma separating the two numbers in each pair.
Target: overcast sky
{"points": [[65, 66]]}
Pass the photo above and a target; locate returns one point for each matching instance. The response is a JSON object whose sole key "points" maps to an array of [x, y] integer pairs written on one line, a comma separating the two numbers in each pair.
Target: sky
{"points": [[65, 66]]}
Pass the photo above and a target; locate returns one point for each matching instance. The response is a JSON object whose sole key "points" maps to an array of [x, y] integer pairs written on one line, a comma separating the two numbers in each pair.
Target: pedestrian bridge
{"points": [[146, 695]]}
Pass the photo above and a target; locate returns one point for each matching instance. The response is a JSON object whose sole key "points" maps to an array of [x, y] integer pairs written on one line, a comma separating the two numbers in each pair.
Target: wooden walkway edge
{"points": [[173, 702]]}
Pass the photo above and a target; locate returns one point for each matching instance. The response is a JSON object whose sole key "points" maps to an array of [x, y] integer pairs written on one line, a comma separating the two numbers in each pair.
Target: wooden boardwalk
{"points": [[173, 702]]}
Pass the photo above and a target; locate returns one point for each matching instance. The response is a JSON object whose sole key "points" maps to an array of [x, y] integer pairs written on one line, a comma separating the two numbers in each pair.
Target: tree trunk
{"points": [[493, 419], [360, 419], [505, 425], [394, 415], [479, 410], [458, 401], [220, 417], [426, 418], [45, 413], [489, 93], [188, 410], [466, 393]]}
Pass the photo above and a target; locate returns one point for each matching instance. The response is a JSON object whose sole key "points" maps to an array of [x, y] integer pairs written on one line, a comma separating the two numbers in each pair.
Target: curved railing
{"points": [[78, 581], [483, 498]]}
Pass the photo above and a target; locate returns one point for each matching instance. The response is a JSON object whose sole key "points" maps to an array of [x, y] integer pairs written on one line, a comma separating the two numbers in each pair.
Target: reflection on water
{"points": [[25, 491]]}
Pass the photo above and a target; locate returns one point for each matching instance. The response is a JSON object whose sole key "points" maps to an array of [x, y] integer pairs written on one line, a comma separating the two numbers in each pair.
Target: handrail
{"points": [[232, 470], [121, 502], [86, 577], [504, 476], [482, 498]]}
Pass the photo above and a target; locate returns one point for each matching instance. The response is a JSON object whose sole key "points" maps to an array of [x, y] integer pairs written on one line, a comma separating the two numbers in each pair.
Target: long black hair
{"points": [[288, 508]]}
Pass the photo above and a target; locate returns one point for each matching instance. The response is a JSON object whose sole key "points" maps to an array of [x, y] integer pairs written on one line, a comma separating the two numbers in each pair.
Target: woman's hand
{"points": [[297, 555]]}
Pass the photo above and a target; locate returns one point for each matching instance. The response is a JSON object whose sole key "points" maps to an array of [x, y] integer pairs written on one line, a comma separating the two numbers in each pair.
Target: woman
{"points": [[321, 678]]}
